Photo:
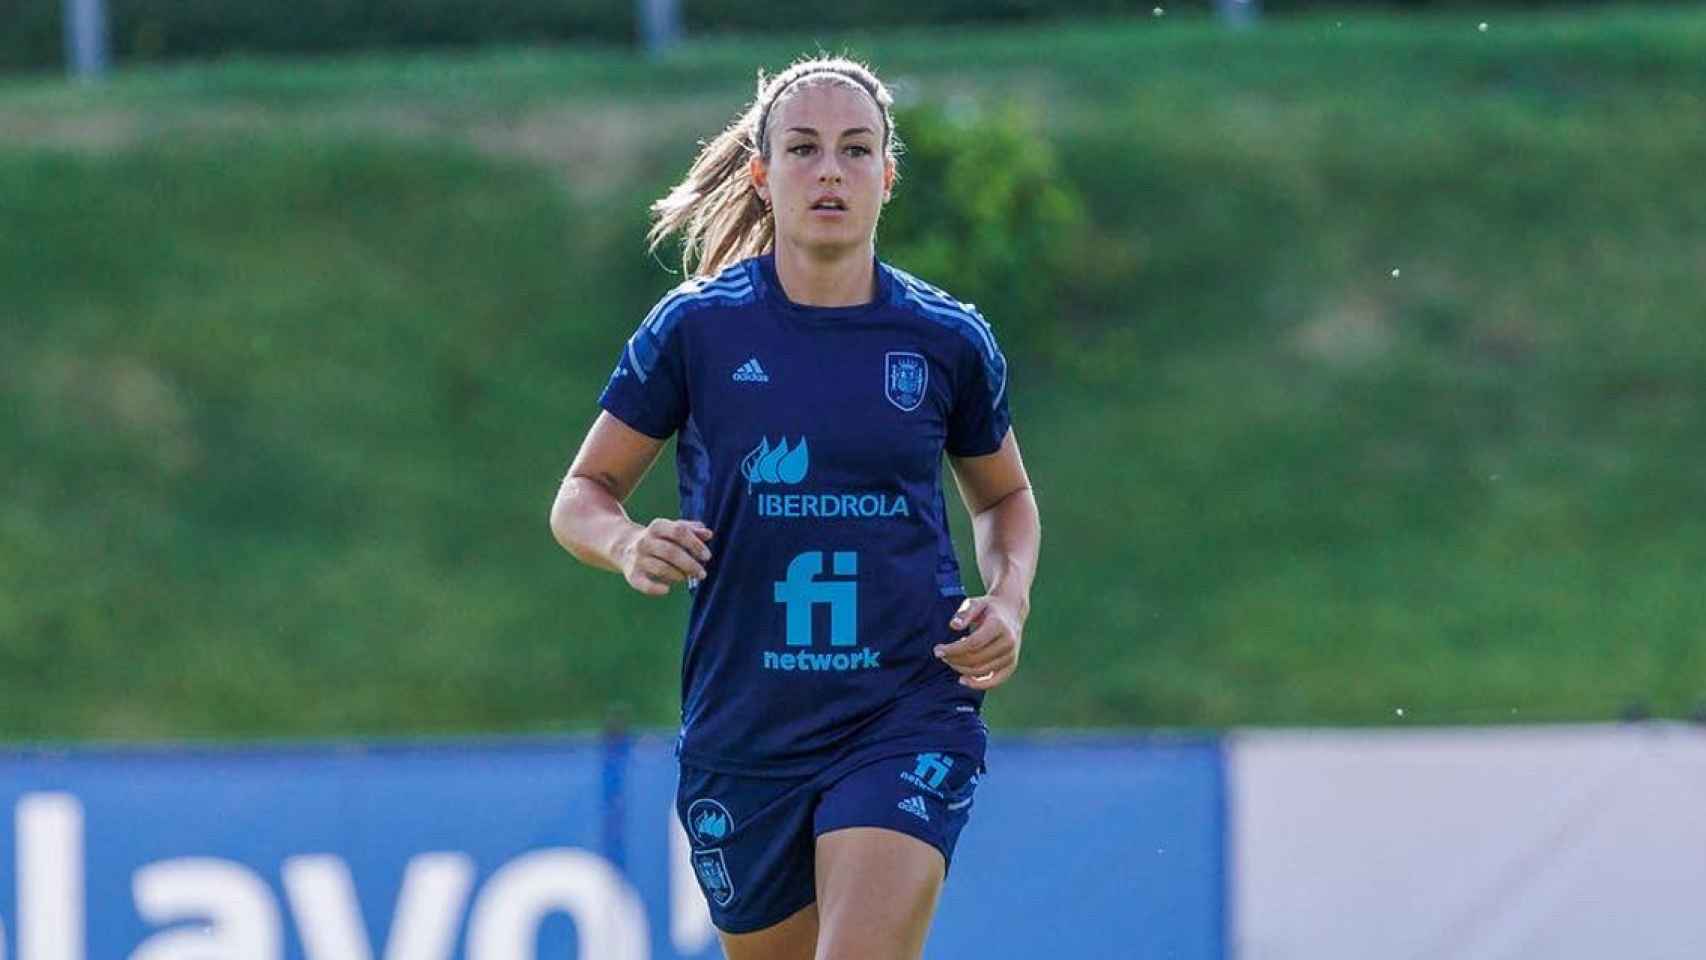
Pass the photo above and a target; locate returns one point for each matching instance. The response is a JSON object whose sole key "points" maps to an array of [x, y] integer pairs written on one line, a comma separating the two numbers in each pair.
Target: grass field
{"points": [[1383, 388]]}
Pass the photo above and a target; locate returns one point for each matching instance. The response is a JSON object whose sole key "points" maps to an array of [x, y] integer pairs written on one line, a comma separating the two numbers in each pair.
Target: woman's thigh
{"points": [[876, 893], [885, 834], [793, 939]]}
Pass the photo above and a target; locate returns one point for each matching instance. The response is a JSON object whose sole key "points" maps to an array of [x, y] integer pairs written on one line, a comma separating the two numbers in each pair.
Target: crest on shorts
{"points": [[905, 375], [708, 823], [713, 873]]}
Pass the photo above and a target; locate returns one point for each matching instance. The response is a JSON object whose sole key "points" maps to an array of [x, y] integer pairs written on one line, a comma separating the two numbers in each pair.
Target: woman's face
{"points": [[828, 176]]}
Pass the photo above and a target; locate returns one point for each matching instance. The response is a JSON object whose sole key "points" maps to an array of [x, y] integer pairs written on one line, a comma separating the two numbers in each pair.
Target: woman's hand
{"points": [[665, 552], [989, 654]]}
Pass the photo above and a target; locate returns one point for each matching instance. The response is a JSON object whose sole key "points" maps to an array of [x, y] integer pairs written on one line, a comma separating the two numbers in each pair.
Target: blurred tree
{"points": [[981, 211]]}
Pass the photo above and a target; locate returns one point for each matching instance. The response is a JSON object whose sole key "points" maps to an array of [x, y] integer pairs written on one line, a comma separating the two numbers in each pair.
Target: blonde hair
{"points": [[716, 208]]}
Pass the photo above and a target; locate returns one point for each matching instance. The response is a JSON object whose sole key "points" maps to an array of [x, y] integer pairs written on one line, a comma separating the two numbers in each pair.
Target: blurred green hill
{"points": [[1376, 381]]}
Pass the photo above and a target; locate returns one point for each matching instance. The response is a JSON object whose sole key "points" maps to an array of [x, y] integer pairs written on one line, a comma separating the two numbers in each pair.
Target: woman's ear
{"points": [[760, 178], [888, 179]]}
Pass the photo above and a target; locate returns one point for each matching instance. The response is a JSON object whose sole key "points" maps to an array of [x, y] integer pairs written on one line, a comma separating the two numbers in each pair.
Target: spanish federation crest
{"points": [[713, 873], [905, 376]]}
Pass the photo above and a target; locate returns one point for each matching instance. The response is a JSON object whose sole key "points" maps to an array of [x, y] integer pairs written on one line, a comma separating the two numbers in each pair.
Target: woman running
{"points": [[833, 668]]}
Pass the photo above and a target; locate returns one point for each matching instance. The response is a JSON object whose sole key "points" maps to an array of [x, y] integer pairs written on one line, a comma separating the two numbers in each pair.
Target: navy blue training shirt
{"points": [[811, 441]]}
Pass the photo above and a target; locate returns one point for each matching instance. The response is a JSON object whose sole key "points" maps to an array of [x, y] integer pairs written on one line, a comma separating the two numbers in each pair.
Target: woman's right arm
{"points": [[588, 520]]}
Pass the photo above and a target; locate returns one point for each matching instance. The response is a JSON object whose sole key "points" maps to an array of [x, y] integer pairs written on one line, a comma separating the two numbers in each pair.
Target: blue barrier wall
{"points": [[506, 850]]}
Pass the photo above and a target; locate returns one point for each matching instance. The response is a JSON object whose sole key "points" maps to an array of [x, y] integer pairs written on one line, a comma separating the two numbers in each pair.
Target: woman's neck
{"points": [[846, 280]]}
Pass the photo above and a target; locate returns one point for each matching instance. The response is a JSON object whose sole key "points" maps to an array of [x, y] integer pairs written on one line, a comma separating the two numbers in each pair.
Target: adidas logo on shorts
{"points": [[915, 806], [751, 372]]}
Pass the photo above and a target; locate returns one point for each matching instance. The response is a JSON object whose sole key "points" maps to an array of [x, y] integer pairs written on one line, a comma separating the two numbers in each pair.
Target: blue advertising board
{"points": [[563, 848]]}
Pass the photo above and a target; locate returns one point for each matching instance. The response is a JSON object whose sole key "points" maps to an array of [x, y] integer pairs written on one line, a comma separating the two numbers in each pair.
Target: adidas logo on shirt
{"points": [[915, 806], [751, 372]]}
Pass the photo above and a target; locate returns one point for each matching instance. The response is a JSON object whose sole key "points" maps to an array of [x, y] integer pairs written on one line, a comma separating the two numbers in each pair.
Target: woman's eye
{"points": [[859, 150], [801, 149]]}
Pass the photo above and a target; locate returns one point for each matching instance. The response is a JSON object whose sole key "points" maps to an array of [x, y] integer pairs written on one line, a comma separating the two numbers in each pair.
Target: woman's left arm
{"points": [[1007, 532]]}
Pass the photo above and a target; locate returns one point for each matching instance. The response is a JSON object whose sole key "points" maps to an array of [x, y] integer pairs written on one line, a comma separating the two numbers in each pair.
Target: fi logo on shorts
{"points": [[928, 772]]}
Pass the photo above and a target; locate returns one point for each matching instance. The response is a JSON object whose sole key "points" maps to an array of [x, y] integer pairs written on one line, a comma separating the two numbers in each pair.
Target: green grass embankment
{"points": [[1383, 389]]}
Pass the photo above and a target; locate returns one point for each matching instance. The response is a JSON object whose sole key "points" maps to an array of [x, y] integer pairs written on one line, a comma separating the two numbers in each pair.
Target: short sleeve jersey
{"points": [[810, 440]]}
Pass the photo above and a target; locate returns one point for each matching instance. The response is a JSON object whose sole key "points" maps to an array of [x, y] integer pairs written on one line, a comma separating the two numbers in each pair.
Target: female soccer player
{"points": [[833, 669]]}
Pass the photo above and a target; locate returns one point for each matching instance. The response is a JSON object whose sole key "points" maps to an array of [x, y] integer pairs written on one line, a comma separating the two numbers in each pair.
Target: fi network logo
{"points": [[928, 772], [799, 592]]}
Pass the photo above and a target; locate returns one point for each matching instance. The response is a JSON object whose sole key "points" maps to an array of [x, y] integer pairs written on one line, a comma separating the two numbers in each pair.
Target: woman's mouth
{"points": [[829, 206]]}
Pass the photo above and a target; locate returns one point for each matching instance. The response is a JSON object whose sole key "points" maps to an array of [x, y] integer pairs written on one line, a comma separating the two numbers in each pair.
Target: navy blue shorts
{"points": [[754, 839]]}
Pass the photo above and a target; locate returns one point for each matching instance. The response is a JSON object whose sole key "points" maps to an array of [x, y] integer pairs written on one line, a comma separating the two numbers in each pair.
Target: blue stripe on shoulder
{"points": [[732, 287], [936, 304], [727, 284], [940, 306]]}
